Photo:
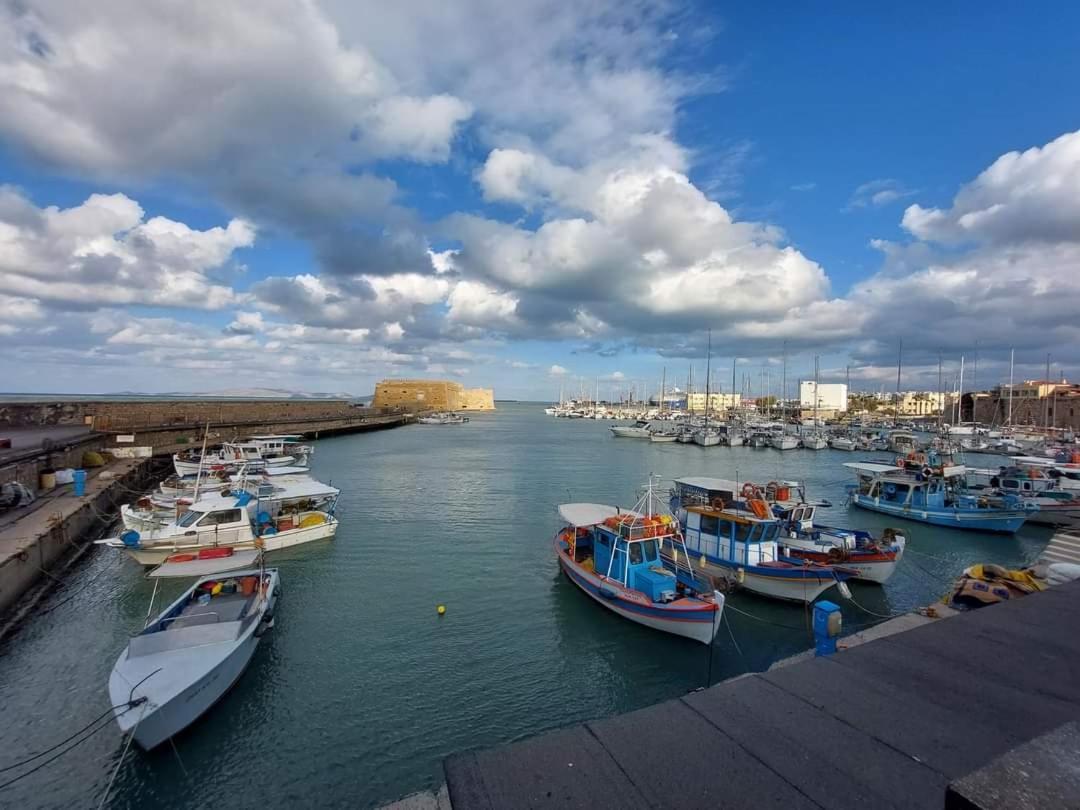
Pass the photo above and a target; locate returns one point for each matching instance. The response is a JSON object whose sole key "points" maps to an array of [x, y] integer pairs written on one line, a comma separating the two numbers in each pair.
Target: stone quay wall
{"points": [[115, 415]]}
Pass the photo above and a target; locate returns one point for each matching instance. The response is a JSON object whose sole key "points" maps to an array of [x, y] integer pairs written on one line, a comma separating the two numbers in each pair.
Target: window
{"points": [[188, 518], [649, 547], [635, 553], [218, 518], [710, 524]]}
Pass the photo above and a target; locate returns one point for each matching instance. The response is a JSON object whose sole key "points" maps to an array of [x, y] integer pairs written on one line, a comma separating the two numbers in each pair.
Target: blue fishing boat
{"points": [[733, 536], [614, 557], [934, 496]]}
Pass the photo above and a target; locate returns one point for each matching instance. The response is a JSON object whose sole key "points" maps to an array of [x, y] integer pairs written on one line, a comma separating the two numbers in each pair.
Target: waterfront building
{"points": [[828, 396], [920, 403], [438, 395], [717, 402]]}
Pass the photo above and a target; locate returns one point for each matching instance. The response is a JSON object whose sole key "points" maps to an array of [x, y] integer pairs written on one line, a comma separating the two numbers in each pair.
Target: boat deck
{"points": [[225, 607], [890, 723]]}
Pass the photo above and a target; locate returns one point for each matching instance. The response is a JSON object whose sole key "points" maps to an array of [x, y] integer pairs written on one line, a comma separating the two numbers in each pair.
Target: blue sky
{"points": [[317, 196]]}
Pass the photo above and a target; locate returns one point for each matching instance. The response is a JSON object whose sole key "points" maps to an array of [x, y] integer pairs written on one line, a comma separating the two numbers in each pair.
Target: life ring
{"points": [[717, 503], [835, 555], [927, 472], [890, 489], [749, 490], [899, 462]]}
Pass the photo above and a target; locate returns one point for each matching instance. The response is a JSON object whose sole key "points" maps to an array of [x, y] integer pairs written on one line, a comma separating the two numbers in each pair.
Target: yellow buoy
{"points": [[441, 610]]}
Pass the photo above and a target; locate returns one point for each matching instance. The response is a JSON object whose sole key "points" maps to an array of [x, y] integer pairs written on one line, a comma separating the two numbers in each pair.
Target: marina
{"points": [[362, 750]]}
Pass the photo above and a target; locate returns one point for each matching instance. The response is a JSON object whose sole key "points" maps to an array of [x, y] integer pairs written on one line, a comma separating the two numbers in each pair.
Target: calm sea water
{"points": [[361, 690]]}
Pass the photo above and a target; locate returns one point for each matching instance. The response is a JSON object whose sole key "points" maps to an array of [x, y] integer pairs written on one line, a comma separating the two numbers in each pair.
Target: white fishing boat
{"points": [[783, 441], [233, 453], [442, 419], [843, 443], [735, 438], [240, 522], [187, 658], [638, 430], [663, 436], [814, 441], [281, 493]]}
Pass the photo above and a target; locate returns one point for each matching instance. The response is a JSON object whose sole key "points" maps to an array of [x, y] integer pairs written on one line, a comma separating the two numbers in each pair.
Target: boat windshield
{"points": [[649, 548], [188, 518]]}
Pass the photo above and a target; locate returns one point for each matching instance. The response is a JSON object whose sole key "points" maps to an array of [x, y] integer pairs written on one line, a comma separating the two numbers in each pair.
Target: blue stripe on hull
{"points": [[1007, 523], [703, 616], [797, 572]]}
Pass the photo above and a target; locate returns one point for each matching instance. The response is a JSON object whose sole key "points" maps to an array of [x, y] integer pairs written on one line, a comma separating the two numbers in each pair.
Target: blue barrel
{"points": [[130, 538], [80, 482]]}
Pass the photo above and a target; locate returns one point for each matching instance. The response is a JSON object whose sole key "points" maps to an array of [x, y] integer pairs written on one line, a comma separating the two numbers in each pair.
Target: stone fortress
{"points": [[433, 395]]}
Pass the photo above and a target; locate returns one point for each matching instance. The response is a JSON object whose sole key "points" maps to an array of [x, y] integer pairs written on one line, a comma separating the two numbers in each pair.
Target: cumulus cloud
{"points": [[1023, 196], [557, 371], [104, 252]]}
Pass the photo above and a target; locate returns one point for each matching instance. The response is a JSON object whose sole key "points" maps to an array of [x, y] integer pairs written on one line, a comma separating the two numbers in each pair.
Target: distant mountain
{"points": [[240, 393]]}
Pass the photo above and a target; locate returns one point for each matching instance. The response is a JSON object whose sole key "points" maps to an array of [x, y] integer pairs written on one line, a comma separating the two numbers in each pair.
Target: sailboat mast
{"points": [[960, 392], [1046, 405], [783, 387], [941, 392], [899, 364], [690, 392], [708, 375], [663, 389], [816, 359], [1012, 360]]}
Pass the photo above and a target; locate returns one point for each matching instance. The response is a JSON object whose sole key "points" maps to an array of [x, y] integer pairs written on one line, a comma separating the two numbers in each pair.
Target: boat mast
{"points": [[202, 457], [1012, 360], [960, 392], [663, 389], [690, 392], [1046, 405], [941, 392], [899, 363], [816, 359], [734, 360], [708, 374], [783, 387]]}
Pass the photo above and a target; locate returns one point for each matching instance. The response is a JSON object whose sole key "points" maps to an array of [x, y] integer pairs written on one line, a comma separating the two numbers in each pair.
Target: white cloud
{"points": [[1022, 196], [102, 252], [122, 86], [878, 193], [557, 371]]}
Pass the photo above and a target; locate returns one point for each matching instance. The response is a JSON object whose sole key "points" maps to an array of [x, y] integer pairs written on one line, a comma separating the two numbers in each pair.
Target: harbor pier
{"points": [[893, 722], [45, 435]]}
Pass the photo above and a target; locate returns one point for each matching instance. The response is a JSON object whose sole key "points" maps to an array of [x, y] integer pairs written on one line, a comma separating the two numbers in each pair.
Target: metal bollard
{"points": [[827, 623]]}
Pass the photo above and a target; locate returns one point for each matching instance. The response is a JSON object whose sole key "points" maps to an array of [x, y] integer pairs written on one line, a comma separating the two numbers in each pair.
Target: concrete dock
{"points": [[888, 723]]}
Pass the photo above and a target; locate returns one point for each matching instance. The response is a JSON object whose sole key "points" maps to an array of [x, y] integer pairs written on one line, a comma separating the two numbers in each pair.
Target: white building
{"points": [[830, 396]]}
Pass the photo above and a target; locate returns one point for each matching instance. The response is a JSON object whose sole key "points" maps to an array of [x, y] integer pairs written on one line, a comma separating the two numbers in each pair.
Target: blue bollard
{"points": [[80, 483], [827, 621]]}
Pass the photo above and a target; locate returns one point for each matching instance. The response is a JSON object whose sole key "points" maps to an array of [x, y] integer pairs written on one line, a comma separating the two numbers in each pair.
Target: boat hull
{"points": [[698, 625], [156, 554], [1006, 522], [153, 723], [789, 583], [875, 568], [630, 432], [663, 437], [707, 440]]}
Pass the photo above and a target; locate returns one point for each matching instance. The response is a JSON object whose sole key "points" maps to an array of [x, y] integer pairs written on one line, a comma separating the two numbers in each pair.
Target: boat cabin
{"points": [[721, 526], [624, 547]]}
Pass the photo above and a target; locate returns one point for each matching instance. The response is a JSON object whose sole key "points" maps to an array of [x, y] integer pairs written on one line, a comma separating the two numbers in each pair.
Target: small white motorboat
{"points": [[843, 443], [186, 659]]}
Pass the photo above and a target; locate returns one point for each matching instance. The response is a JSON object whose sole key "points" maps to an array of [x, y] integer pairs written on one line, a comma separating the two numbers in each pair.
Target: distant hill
{"points": [[241, 393]]}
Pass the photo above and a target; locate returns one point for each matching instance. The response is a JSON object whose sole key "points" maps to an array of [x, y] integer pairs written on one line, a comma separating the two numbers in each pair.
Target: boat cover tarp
{"points": [[203, 568], [589, 514]]}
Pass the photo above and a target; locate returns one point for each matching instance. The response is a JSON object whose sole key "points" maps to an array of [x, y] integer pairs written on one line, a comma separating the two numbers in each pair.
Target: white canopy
{"points": [[872, 467], [710, 484], [588, 514], [205, 568]]}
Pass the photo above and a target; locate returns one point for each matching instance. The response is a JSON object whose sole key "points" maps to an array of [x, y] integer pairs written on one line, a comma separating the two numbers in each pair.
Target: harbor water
{"points": [[361, 689]]}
